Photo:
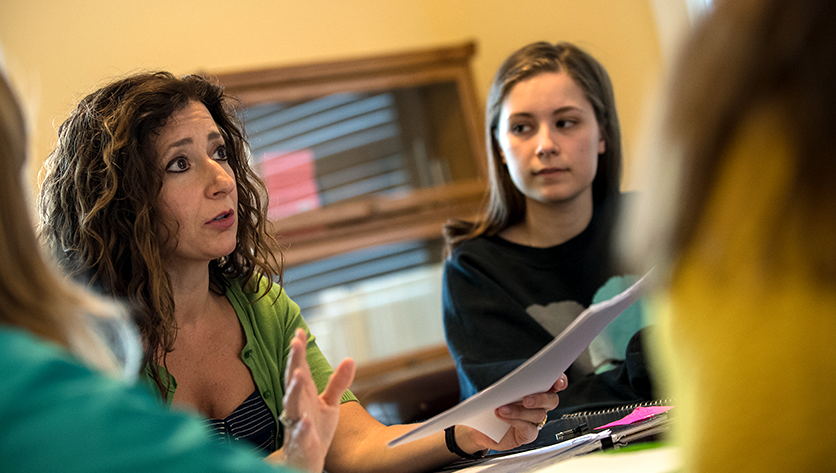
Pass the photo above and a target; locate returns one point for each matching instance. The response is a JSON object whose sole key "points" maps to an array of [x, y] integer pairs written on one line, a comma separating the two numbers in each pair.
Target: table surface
{"points": [[653, 460]]}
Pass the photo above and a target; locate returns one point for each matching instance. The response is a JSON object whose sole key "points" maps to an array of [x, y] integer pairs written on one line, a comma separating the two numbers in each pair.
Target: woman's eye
{"points": [[220, 154], [565, 123], [179, 164]]}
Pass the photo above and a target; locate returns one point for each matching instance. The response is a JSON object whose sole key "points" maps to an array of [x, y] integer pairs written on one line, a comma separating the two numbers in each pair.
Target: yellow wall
{"points": [[58, 50]]}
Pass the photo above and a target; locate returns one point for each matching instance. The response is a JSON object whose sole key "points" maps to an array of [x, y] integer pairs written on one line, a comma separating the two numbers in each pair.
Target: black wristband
{"points": [[450, 438]]}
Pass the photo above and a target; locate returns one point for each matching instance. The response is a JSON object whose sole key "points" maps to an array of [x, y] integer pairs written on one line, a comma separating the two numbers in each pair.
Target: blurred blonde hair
{"points": [[33, 296]]}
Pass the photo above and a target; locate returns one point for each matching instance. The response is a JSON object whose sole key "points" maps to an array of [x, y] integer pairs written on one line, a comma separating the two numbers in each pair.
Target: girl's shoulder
{"points": [[478, 246], [491, 254]]}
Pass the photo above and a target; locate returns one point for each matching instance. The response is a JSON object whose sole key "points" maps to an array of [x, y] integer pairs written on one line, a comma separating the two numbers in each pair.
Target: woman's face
{"points": [[549, 138], [199, 192]]}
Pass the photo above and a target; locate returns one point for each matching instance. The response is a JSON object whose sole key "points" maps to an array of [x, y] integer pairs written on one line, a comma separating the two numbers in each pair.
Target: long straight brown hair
{"points": [[504, 203]]}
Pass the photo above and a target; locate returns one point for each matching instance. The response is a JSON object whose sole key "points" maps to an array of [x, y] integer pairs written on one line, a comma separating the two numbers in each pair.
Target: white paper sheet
{"points": [[537, 374], [531, 460]]}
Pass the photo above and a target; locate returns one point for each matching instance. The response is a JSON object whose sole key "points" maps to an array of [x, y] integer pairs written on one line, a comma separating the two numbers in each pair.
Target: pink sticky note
{"points": [[639, 413]]}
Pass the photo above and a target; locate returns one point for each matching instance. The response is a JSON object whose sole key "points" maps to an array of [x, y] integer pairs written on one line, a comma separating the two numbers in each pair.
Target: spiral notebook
{"points": [[597, 418]]}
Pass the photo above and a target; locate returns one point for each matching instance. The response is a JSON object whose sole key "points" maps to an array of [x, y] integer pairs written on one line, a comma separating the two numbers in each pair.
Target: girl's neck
{"points": [[550, 224]]}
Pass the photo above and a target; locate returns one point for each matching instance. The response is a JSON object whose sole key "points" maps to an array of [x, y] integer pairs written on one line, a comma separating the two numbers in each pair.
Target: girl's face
{"points": [[549, 139], [199, 192]]}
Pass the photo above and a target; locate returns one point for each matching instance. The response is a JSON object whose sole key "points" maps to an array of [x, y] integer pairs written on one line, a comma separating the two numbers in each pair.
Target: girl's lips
{"points": [[549, 171]]}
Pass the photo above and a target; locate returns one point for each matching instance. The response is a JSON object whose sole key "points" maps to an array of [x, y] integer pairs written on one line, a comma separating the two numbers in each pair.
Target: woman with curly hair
{"points": [[149, 197], [69, 359]]}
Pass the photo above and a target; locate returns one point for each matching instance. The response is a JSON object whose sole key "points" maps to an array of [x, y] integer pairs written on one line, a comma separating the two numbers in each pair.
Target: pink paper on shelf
{"points": [[639, 413]]}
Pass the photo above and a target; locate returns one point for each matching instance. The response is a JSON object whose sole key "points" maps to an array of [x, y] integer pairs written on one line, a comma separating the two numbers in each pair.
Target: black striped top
{"points": [[252, 421]]}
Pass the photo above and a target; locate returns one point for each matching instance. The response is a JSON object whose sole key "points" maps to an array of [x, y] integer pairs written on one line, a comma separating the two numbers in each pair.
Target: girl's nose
{"points": [[545, 143]]}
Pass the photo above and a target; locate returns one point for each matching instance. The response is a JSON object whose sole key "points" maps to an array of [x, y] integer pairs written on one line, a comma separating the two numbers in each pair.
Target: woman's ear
{"points": [[602, 145]]}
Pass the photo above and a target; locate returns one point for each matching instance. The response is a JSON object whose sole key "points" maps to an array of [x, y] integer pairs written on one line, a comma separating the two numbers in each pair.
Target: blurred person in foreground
{"points": [[739, 221]]}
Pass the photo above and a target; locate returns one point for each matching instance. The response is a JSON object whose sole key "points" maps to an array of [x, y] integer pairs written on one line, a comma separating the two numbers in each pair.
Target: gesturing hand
{"points": [[310, 420]]}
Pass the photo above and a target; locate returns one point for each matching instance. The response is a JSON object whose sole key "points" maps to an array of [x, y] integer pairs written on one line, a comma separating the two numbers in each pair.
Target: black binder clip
{"points": [[572, 433]]}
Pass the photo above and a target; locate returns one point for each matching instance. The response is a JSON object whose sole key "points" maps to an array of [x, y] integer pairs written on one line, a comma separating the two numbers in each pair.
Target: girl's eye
{"points": [[520, 128], [178, 164], [565, 123], [220, 154]]}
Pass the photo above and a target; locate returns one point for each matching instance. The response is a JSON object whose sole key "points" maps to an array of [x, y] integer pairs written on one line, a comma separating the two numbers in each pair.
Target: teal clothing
{"points": [[58, 415], [269, 323]]}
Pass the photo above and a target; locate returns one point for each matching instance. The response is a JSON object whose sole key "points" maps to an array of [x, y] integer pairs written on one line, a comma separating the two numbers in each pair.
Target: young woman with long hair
{"points": [[539, 253]]}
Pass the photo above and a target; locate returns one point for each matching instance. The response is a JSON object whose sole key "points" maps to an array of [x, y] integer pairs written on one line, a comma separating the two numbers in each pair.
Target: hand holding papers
{"points": [[537, 374]]}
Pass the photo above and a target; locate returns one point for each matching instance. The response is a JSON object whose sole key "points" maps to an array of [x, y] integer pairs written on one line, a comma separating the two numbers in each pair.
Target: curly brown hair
{"points": [[99, 209]]}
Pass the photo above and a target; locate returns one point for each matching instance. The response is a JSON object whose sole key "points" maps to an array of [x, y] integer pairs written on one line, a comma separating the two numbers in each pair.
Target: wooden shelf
{"points": [[349, 226]]}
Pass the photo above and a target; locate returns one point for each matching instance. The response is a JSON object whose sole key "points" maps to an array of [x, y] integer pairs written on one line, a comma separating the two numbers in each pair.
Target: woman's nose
{"points": [[222, 179]]}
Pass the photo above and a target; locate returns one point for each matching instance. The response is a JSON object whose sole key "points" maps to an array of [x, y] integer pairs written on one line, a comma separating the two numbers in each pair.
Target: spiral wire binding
{"points": [[611, 410]]}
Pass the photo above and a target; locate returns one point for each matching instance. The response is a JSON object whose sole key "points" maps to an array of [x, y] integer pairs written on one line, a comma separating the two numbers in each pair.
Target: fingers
{"points": [[548, 401], [515, 412], [471, 440], [300, 394], [561, 383], [298, 355], [340, 381], [300, 389], [522, 431], [302, 447], [303, 433], [520, 434]]}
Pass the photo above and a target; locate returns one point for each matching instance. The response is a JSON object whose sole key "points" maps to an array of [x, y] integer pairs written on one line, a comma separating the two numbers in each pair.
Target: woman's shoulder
{"points": [[256, 287], [260, 296]]}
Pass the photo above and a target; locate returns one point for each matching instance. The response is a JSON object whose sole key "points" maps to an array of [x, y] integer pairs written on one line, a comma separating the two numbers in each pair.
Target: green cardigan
{"points": [[269, 323]]}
